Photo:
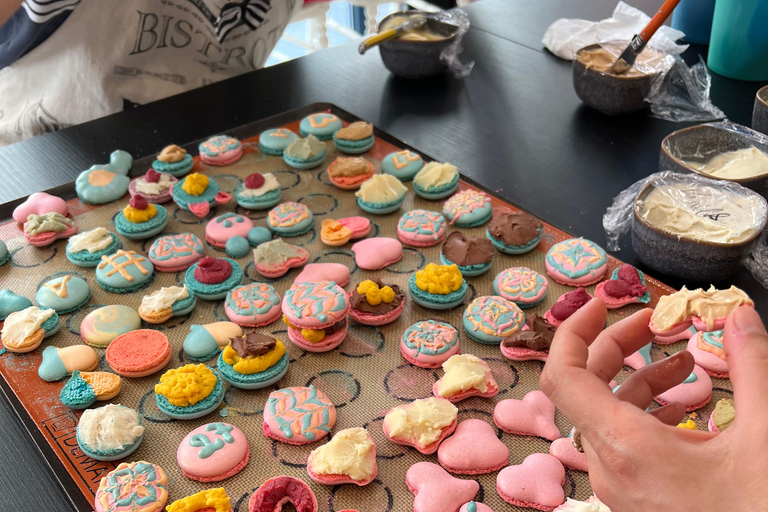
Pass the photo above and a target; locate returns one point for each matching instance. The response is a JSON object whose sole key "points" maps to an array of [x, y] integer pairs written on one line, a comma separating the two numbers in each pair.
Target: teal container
{"points": [[738, 46], [694, 17]]}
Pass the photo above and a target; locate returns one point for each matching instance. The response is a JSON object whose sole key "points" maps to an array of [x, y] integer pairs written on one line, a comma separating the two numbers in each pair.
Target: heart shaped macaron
{"points": [[473, 450], [39, 203], [201, 209], [536, 483], [533, 415], [316, 272], [563, 450], [639, 359], [378, 252], [436, 490]]}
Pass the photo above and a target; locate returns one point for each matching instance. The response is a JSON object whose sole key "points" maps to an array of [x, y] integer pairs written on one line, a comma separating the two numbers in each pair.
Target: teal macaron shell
{"points": [[353, 147], [198, 410], [177, 169], [77, 393], [184, 306], [263, 202], [402, 164], [51, 326], [11, 303], [110, 455], [213, 291], [302, 163], [273, 142], [183, 200], [468, 270], [509, 249], [438, 192], [142, 230], [131, 264], [321, 124], [258, 236], [91, 192], [237, 247], [91, 259], [52, 294], [200, 345], [258, 380], [436, 301], [380, 208]]}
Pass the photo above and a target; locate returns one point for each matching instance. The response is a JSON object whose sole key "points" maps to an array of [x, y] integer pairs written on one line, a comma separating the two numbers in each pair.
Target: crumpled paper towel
{"points": [[565, 37]]}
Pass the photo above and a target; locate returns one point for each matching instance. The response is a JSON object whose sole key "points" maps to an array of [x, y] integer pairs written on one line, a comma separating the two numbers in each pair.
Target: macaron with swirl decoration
{"points": [[316, 315], [576, 262], [220, 150], [298, 415], [132, 487], [521, 285], [490, 319], [253, 305]]}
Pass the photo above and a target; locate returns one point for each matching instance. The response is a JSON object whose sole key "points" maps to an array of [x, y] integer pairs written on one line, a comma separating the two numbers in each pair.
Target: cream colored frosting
{"points": [[421, 422], [52, 222], [724, 413], [349, 453], [591, 505], [349, 166], [163, 298], [381, 188], [305, 149], [743, 163], [710, 305], [435, 174], [23, 324], [274, 252], [112, 427], [702, 212], [602, 59], [270, 184], [462, 373], [355, 131], [92, 241], [152, 189]]}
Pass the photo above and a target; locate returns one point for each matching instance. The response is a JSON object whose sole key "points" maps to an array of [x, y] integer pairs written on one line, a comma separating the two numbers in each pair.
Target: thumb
{"points": [[746, 350]]}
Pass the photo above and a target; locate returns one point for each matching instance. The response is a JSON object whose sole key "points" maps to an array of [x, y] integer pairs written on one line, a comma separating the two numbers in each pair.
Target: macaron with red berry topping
{"points": [[258, 192], [212, 278], [154, 186]]}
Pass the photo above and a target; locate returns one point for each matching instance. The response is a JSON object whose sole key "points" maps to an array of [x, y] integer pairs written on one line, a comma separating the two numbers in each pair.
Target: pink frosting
{"points": [[473, 449], [152, 176], [533, 415], [221, 461], [537, 482], [377, 253]]}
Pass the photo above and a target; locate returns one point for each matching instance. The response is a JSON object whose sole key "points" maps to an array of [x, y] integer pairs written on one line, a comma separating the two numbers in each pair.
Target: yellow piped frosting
{"points": [[710, 305], [253, 364], [350, 453], [136, 216], [186, 385], [195, 184], [690, 425], [421, 422], [462, 373], [375, 295], [439, 279], [216, 499], [311, 335]]}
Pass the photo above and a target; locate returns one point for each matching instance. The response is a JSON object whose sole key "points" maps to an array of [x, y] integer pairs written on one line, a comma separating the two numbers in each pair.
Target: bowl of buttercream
{"points": [[696, 230], [720, 151], [597, 86], [760, 111]]}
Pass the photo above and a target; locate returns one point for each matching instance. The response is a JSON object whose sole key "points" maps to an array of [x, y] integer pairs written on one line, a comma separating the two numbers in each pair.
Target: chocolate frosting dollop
{"points": [[538, 336], [465, 251], [515, 228], [358, 302], [252, 344]]}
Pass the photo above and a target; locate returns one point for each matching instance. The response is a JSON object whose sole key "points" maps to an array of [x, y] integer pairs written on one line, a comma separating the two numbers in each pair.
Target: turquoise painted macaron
{"points": [[173, 160], [237, 247], [468, 209], [258, 346], [436, 300], [381, 194], [5, 256], [208, 190], [142, 229], [192, 411], [63, 294], [124, 272], [291, 219], [104, 183], [204, 342], [273, 142], [515, 232], [259, 235], [436, 181], [212, 278], [320, 124], [86, 249], [258, 192], [305, 153], [11, 303], [355, 138], [80, 392], [58, 362], [109, 433], [521, 285], [402, 164], [490, 319]]}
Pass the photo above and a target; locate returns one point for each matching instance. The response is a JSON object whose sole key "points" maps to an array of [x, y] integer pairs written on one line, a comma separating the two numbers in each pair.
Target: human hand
{"points": [[639, 461]]}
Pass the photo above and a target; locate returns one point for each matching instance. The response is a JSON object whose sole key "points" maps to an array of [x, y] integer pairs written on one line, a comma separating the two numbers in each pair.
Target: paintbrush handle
{"points": [[658, 19]]}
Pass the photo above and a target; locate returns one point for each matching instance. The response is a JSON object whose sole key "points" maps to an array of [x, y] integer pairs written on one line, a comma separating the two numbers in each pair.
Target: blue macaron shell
{"points": [[177, 169], [435, 301], [51, 326], [473, 219], [258, 380], [11, 303], [51, 367], [213, 291], [468, 270], [77, 393], [142, 230], [181, 198], [200, 345], [407, 171], [120, 163], [353, 147], [322, 132], [509, 249], [301, 163], [273, 142], [380, 208], [78, 294], [440, 192], [297, 229], [268, 200], [91, 259], [237, 247], [258, 236], [184, 306], [4, 254], [198, 410], [116, 283]]}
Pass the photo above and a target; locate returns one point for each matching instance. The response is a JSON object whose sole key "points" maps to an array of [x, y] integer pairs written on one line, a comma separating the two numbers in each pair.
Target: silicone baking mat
{"points": [[365, 376]]}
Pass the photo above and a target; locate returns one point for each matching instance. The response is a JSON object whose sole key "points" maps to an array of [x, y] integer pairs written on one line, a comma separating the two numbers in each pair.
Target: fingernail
{"points": [[747, 321]]}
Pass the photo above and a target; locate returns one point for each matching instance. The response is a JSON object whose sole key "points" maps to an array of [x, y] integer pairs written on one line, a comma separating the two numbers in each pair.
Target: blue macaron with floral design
{"points": [[290, 219], [141, 220], [273, 142], [212, 278], [86, 249], [402, 164], [124, 272], [63, 294], [173, 160], [321, 124]]}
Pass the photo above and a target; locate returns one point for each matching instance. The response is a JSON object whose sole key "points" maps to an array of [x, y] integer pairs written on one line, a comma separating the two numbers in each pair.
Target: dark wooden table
{"points": [[514, 125]]}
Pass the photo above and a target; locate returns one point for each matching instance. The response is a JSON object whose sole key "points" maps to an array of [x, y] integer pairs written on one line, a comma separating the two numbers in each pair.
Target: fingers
{"points": [[671, 414], [646, 383], [624, 338], [746, 350]]}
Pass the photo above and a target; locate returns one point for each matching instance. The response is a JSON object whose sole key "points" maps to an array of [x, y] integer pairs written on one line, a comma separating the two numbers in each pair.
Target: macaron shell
{"points": [[102, 325], [360, 226], [222, 228], [377, 253], [57, 362], [533, 415], [576, 262], [174, 253], [693, 394], [436, 490], [39, 203], [330, 342], [277, 491], [253, 305], [429, 344], [315, 305], [298, 415], [63, 294], [213, 452], [11, 303], [709, 360], [536, 483], [473, 449], [315, 272], [139, 353], [431, 448], [563, 450], [204, 341]]}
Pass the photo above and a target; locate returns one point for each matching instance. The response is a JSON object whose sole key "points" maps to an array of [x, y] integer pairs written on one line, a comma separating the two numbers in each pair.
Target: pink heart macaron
{"points": [[534, 415], [314, 272], [377, 253], [422, 424], [39, 203], [360, 226], [694, 392], [473, 449], [563, 450], [436, 490], [536, 483]]}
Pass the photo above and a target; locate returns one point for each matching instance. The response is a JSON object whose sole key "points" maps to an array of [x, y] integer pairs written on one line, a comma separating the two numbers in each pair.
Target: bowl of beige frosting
{"points": [[720, 151], [760, 111], [696, 230]]}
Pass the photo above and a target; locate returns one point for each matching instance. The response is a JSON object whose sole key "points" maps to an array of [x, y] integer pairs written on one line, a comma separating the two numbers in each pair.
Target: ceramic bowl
{"points": [[702, 142], [686, 258], [610, 94], [417, 59], [760, 111]]}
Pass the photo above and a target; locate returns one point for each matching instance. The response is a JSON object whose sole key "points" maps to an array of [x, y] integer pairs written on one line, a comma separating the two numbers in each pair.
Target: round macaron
{"points": [[173, 160], [402, 164], [213, 452], [125, 479], [381, 194], [521, 285], [11, 303], [421, 228], [154, 187], [468, 209], [373, 303], [253, 305], [290, 219], [141, 220], [220, 150], [280, 490], [212, 278], [253, 361], [86, 249], [576, 262], [220, 229], [436, 181], [305, 153], [349, 172], [429, 343], [354, 138], [473, 255], [694, 392], [188, 392], [316, 314], [138, 353], [64, 294], [273, 142], [321, 124], [124, 272], [174, 253], [258, 192], [490, 319], [196, 193], [237, 247], [515, 232], [102, 325], [109, 433], [298, 415], [438, 287], [258, 236], [23, 331]]}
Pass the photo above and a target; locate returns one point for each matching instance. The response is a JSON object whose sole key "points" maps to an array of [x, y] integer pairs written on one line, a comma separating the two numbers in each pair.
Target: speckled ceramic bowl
{"points": [[686, 258], [702, 142], [760, 111], [610, 94], [417, 59]]}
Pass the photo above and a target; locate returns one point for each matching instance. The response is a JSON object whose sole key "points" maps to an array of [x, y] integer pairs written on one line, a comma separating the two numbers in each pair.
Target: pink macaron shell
{"points": [[536, 483], [162, 197], [613, 302], [427, 360], [271, 428], [374, 320], [377, 253], [360, 226], [275, 271], [479, 507], [678, 335], [253, 320], [217, 234], [223, 158], [45, 239], [316, 272], [524, 354], [719, 323], [591, 278], [277, 491], [420, 240], [711, 424], [693, 396], [182, 257], [436, 490], [430, 448], [563, 450], [533, 415], [327, 343], [39, 203], [473, 449], [341, 479], [710, 362], [222, 463]]}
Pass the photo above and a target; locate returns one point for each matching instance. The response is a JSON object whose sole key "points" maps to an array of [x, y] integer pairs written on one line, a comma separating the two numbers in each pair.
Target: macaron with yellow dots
{"points": [[141, 219], [188, 392], [373, 303]]}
